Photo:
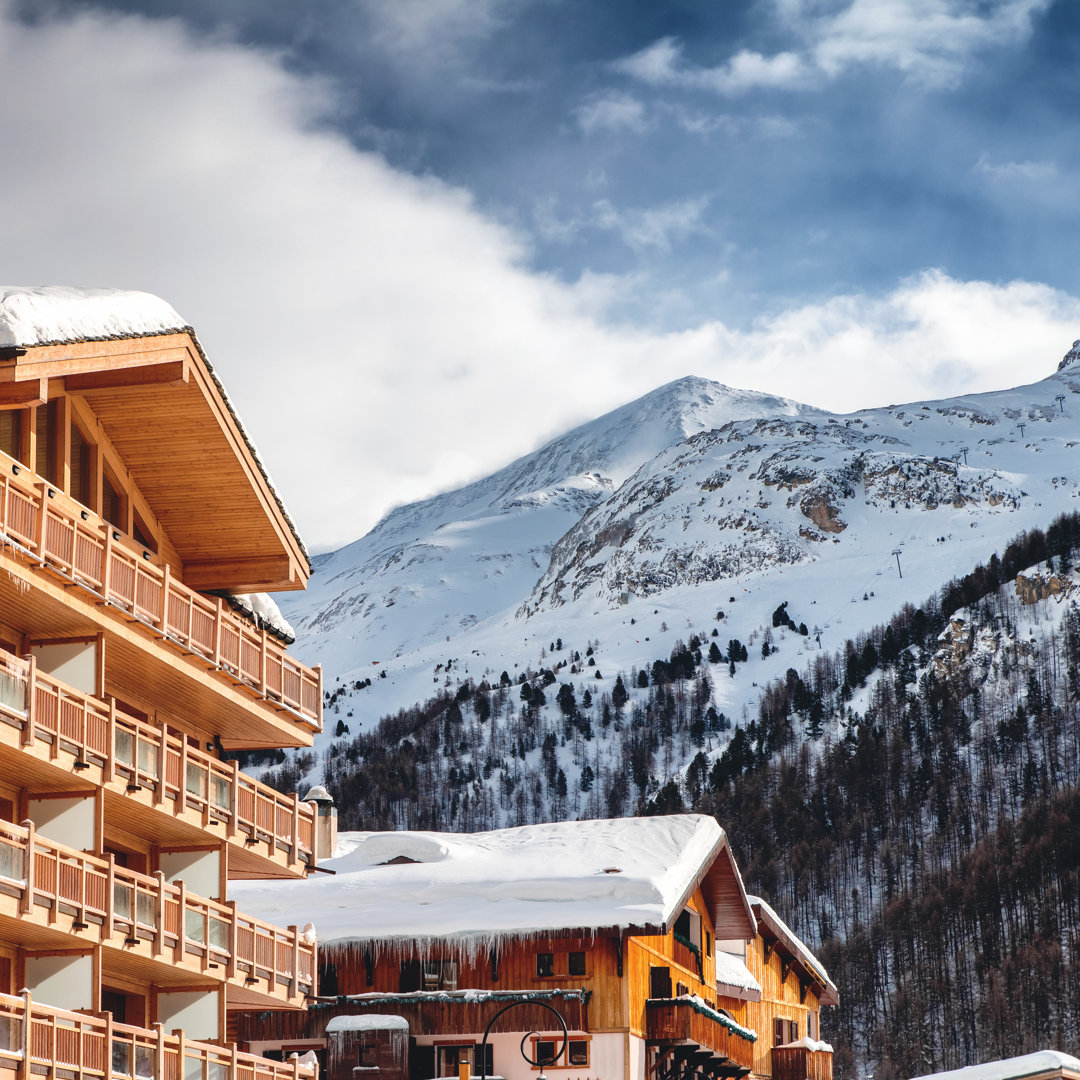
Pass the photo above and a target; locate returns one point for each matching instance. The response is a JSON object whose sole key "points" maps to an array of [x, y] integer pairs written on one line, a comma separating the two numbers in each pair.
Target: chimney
{"points": [[325, 822]]}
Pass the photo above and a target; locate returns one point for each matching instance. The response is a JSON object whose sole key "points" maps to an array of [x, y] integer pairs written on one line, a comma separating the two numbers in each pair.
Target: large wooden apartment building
{"points": [[133, 509]]}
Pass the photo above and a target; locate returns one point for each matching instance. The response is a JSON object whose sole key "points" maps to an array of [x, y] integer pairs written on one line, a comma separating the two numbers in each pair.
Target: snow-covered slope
{"points": [[639, 529], [432, 569]]}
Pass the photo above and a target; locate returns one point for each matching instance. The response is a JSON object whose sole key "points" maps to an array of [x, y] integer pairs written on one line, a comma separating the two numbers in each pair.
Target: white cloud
{"points": [[1011, 171], [930, 42], [381, 337], [653, 227], [612, 111]]}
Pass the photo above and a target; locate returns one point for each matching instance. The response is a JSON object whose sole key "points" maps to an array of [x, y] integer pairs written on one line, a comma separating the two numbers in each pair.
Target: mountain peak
{"points": [[1071, 357]]}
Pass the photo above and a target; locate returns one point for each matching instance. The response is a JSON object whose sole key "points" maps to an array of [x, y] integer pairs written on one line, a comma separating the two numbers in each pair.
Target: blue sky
{"points": [[442, 208]]}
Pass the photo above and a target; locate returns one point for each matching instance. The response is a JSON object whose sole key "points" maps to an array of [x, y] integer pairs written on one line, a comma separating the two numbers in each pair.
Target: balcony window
{"points": [[81, 461], [11, 432], [545, 965], [576, 963]]}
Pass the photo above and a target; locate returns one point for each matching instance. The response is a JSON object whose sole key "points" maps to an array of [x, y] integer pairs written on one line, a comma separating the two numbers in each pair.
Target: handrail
{"points": [[34, 1035], [146, 755], [84, 547], [138, 907]]}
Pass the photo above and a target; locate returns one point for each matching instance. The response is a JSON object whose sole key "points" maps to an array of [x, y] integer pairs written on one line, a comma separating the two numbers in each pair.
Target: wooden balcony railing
{"points": [[682, 1020], [85, 548], [120, 907], [182, 777], [36, 1039], [801, 1063]]}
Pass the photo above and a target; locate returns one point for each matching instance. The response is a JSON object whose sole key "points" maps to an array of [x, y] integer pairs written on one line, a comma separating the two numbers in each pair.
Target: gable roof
{"points": [[145, 376], [629, 874]]}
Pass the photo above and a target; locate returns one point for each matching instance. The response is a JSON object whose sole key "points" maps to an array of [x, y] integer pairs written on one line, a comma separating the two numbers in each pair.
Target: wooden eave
{"points": [[792, 955], [166, 415], [722, 888]]}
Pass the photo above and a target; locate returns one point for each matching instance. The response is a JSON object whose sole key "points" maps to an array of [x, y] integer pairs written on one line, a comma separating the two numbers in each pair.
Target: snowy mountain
{"points": [[430, 570], [694, 509]]}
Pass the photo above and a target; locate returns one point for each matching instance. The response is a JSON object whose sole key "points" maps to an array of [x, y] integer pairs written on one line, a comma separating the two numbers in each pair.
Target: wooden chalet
{"points": [[132, 509], [611, 923], [775, 985]]}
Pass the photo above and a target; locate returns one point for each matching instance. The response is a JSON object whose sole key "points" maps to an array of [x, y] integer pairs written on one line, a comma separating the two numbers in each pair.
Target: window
{"points": [[545, 1052], [659, 982], [449, 1057], [81, 458], [11, 432], [440, 974], [545, 965], [785, 1031], [45, 465], [576, 963], [142, 534], [112, 502], [578, 1052]]}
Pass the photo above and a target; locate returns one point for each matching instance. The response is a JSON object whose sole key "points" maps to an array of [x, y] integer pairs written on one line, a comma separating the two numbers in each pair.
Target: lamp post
{"points": [[531, 1061]]}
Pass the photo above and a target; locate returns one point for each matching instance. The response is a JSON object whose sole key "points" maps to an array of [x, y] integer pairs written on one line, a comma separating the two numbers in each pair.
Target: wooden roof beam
{"points": [[169, 373], [242, 575], [18, 395]]}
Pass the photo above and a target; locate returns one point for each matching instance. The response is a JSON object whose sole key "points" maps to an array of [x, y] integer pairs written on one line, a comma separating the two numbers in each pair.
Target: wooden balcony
{"points": [[801, 1063], [38, 1040], [78, 742], [51, 532], [682, 1022], [51, 895]]}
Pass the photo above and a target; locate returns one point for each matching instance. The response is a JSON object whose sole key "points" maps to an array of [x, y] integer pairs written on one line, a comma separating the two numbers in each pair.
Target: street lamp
{"points": [[531, 1061]]}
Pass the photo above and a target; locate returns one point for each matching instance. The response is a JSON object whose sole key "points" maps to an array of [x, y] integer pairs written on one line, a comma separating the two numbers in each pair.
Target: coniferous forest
{"points": [[910, 804]]}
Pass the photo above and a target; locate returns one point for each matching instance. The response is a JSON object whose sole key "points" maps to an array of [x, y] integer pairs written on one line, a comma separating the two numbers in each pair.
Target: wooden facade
{"points": [[787, 1009], [129, 492], [639, 1004]]}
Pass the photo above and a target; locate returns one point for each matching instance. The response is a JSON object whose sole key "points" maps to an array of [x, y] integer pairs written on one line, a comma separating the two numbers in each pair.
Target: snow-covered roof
{"points": [[629, 873], [367, 1022], [1036, 1064], [734, 978], [54, 314], [767, 916], [63, 314]]}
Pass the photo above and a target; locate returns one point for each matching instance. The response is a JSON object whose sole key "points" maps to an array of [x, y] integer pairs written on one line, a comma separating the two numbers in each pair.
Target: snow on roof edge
{"points": [[811, 960], [1041, 1061]]}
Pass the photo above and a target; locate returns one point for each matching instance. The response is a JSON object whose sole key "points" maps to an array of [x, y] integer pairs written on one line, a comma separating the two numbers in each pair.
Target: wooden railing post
{"points": [[234, 941], [294, 982], [166, 584], [159, 1052], [159, 941], [27, 902], [109, 772], [28, 1005], [181, 795], [106, 569], [28, 732], [217, 631], [294, 848], [108, 1046], [110, 901], [262, 663], [39, 538], [181, 936], [234, 799], [163, 765]]}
